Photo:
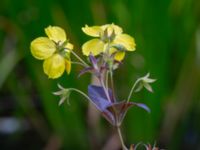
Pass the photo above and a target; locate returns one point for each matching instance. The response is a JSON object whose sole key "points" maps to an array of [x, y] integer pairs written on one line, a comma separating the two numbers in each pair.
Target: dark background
{"points": [[167, 34]]}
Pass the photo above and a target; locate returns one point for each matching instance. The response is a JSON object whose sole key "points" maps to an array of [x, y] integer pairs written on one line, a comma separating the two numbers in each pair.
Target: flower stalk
{"points": [[80, 59], [121, 138]]}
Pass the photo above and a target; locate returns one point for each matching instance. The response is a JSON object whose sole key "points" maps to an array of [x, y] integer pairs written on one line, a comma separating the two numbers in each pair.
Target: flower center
{"points": [[62, 50], [107, 36]]}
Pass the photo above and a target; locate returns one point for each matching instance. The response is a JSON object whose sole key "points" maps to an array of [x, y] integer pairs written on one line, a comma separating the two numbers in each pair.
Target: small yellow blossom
{"points": [[54, 50], [108, 35]]}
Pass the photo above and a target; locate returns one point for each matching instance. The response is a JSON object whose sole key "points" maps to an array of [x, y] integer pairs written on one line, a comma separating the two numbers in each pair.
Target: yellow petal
{"points": [[93, 31], [94, 46], [112, 49], [126, 41], [112, 27], [69, 46], [119, 56], [56, 34], [68, 66], [42, 48], [54, 66]]}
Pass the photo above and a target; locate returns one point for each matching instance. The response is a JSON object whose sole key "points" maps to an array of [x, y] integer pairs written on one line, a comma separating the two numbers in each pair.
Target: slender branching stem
{"points": [[121, 138], [112, 82], [80, 59], [106, 80], [107, 49], [105, 89], [78, 63], [132, 90], [82, 93]]}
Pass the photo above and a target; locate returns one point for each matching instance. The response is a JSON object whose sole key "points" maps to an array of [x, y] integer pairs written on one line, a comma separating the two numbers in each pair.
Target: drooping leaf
{"points": [[98, 91], [116, 112], [112, 111], [143, 106], [98, 97], [86, 70]]}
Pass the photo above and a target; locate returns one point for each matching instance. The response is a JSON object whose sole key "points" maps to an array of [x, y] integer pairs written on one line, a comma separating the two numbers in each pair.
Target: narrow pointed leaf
{"points": [[143, 106], [85, 70], [93, 60]]}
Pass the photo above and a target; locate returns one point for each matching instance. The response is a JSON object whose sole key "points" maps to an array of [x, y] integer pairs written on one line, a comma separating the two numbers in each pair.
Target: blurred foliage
{"points": [[167, 34]]}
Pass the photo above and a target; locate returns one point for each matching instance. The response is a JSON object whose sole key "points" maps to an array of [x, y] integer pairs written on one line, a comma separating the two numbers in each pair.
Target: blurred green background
{"points": [[167, 33]]}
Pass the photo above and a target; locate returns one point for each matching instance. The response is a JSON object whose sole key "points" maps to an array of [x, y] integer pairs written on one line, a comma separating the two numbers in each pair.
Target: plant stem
{"points": [[82, 93], [106, 80], [80, 59], [121, 138], [77, 63], [112, 83], [105, 89], [132, 89]]}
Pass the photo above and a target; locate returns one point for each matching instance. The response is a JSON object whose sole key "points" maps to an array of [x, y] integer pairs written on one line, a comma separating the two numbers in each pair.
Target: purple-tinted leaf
{"points": [[112, 111], [98, 91], [116, 112], [145, 107], [100, 102], [104, 67], [85, 70], [93, 61], [109, 117], [98, 97]]}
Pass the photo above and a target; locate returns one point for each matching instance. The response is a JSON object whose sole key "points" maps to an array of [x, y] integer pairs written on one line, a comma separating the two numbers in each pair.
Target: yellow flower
{"points": [[108, 35], [54, 50]]}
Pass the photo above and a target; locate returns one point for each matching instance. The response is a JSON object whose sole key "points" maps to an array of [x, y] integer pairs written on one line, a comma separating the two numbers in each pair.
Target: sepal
{"points": [[63, 93]]}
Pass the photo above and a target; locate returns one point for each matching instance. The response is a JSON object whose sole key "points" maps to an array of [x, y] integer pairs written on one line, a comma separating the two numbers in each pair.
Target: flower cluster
{"points": [[105, 53], [109, 39]]}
